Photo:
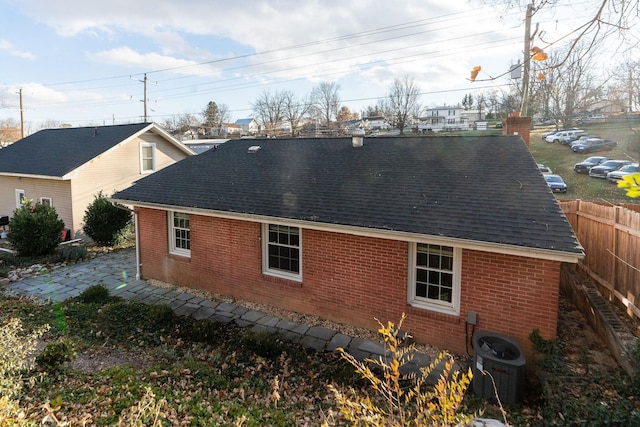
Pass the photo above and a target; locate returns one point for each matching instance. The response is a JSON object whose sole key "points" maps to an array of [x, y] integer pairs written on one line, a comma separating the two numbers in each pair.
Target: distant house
{"points": [[8, 135], [443, 118], [228, 129], [354, 233], [199, 146], [66, 168], [248, 126], [374, 123]]}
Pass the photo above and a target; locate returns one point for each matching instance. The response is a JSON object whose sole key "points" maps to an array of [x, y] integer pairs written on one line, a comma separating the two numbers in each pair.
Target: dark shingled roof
{"points": [[56, 152], [485, 188]]}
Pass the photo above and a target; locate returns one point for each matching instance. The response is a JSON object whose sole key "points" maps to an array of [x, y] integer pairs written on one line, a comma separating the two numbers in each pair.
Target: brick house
{"points": [[436, 228]]}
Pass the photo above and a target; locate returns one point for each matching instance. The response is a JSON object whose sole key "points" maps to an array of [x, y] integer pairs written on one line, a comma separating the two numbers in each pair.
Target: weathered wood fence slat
{"points": [[610, 236]]}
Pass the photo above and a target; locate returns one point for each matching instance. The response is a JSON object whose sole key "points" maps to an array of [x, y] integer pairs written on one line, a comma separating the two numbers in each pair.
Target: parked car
{"points": [[565, 136], [594, 144], [580, 140], [587, 164], [591, 118], [617, 175], [556, 183], [602, 170], [545, 170]]}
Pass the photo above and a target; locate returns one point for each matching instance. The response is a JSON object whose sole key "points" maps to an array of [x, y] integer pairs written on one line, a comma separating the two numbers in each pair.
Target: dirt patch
{"points": [[97, 359]]}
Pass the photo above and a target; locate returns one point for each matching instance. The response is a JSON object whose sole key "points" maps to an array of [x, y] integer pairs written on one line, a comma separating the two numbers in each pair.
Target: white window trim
{"points": [[172, 237], [146, 145], [19, 199], [265, 256], [452, 308], [42, 199]]}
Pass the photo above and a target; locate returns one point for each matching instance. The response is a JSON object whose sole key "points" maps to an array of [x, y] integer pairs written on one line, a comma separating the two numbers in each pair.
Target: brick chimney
{"points": [[516, 125]]}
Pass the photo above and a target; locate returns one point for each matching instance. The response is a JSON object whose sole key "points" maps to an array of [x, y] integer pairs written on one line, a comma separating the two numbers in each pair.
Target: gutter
{"points": [[530, 252]]}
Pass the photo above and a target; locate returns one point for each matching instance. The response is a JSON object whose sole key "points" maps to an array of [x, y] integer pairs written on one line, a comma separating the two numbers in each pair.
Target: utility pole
{"points": [[524, 108], [21, 115], [145, 100], [145, 97]]}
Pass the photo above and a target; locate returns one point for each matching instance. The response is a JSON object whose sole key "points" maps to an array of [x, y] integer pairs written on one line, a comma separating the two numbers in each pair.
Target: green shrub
{"points": [[36, 229], [56, 355], [161, 315], [198, 330], [73, 253], [264, 344], [103, 221], [96, 294]]}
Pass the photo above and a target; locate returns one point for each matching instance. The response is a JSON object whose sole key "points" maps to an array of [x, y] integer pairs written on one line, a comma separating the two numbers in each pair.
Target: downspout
{"points": [[137, 234], [135, 226]]}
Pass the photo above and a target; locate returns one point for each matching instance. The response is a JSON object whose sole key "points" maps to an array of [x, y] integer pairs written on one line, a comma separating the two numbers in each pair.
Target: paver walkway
{"points": [[116, 271]]}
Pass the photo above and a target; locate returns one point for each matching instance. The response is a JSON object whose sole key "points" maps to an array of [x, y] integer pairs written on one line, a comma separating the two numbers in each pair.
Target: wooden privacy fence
{"points": [[610, 236]]}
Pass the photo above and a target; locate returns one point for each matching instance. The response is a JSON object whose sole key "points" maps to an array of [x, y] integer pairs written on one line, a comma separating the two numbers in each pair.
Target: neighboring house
{"points": [[375, 123], [248, 126], [231, 129], [437, 228], [447, 117], [199, 146], [67, 167]]}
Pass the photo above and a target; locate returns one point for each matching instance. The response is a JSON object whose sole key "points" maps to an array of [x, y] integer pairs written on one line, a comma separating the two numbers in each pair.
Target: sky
{"points": [[84, 62]]}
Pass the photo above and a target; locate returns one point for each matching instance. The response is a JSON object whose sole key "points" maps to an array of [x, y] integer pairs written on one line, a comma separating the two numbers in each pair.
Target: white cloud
{"points": [[8, 47], [129, 58]]}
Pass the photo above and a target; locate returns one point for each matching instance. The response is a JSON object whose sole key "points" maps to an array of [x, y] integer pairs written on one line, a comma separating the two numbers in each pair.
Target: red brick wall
{"points": [[354, 279], [518, 125]]}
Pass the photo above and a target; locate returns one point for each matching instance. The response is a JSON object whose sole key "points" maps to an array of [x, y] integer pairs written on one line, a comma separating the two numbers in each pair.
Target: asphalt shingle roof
{"points": [[485, 189], [56, 152]]}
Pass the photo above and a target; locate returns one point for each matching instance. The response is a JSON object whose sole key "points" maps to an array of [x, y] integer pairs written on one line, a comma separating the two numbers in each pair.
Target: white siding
{"points": [[59, 191]]}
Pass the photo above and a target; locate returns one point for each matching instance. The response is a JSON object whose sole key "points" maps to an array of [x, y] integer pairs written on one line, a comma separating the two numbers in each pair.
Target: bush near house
{"points": [[36, 229], [103, 221]]}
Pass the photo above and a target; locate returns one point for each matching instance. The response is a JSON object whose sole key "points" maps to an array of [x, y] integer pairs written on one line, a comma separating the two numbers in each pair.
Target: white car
{"points": [[616, 176], [545, 170], [564, 136]]}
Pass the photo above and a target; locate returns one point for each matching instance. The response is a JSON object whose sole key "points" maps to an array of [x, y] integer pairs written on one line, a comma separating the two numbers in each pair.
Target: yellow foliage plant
{"points": [[631, 183], [404, 399]]}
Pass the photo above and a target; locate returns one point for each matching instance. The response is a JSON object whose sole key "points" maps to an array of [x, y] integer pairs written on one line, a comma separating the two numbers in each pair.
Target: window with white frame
{"points": [[46, 201], [20, 196], [434, 282], [179, 234], [281, 251], [147, 157]]}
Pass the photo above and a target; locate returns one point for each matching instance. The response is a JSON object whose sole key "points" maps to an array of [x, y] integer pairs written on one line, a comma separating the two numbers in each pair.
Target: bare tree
{"points": [[570, 86], [325, 99], [9, 131], [402, 102], [294, 111], [170, 124], [625, 90], [269, 110], [606, 18], [481, 103], [188, 124]]}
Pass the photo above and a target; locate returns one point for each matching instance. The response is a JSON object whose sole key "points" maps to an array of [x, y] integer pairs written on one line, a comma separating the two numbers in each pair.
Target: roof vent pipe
{"points": [[357, 138]]}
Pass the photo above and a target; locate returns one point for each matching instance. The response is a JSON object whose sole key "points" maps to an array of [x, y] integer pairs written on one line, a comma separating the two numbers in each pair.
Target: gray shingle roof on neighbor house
{"points": [[483, 189], [56, 152]]}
